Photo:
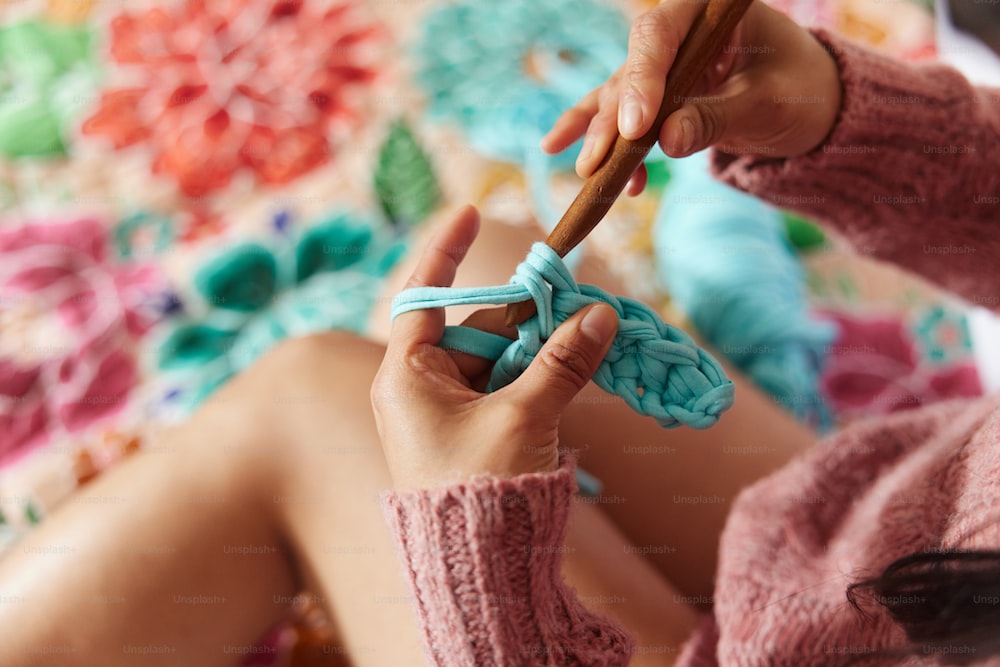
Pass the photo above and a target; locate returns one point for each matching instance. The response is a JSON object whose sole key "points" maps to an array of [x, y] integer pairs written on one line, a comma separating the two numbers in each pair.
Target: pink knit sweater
{"points": [[910, 172]]}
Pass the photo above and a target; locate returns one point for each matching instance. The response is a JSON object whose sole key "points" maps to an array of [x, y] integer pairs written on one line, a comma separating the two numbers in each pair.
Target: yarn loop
{"points": [[656, 368]]}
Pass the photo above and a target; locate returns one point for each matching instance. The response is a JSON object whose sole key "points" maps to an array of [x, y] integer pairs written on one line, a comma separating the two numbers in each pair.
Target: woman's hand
{"points": [[774, 91], [436, 428]]}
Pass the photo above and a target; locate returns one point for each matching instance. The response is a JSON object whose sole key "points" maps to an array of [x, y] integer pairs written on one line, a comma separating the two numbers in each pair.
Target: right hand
{"points": [[774, 91]]}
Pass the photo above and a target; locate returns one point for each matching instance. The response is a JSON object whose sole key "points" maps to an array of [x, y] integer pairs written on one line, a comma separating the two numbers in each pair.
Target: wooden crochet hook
{"points": [[702, 45]]}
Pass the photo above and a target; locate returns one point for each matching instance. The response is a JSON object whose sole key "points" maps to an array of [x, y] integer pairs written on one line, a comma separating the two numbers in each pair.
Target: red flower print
{"points": [[228, 85]]}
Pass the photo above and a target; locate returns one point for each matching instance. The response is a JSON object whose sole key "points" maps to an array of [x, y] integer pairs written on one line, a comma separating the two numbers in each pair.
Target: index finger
{"points": [[573, 122], [437, 267], [653, 43]]}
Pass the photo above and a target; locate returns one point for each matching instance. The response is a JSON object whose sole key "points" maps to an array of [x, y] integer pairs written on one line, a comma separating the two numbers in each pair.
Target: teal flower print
{"points": [[253, 295]]}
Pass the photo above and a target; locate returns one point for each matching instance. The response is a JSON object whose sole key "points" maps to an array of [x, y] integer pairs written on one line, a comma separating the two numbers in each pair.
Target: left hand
{"points": [[436, 428], [740, 105]]}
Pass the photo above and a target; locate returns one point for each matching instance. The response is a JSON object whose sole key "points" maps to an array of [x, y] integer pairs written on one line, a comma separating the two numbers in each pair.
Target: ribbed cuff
{"points": [[907, 174], [875, 160], [484, 561]]}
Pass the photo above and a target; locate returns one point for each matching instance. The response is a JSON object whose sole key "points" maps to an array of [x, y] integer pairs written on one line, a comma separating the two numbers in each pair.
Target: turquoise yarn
{"points": [[656, 368], [725, 259], [473, 59]]}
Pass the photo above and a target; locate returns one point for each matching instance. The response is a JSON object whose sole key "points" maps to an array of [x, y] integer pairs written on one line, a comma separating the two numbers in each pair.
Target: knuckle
{"points": [[393, 388], [608, 97], [604, 123], [567, 362], [650, 45], [713, 126], [385, 392], [782, 113], [646, 33], [641, 72]]}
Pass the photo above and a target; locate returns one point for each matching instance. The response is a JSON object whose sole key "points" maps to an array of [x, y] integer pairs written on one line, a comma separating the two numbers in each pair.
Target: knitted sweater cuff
{"points": [[483, 560], [906, 172], [891, 111]]}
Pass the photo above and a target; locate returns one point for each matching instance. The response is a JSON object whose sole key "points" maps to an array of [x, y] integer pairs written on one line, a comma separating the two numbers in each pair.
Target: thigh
{"points": [[331, 511], [169, 558], [670, 492], [333, 475], [188, 552], [611, 577]]}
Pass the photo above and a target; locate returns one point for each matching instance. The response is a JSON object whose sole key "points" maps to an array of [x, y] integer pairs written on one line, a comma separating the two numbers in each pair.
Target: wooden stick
{"points": [[703, 44]]}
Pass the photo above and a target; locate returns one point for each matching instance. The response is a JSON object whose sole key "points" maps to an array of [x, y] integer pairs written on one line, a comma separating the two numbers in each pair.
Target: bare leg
{"points": [[185, 553], [668, 491], [356, 564], [173, 540], [202, 541]]}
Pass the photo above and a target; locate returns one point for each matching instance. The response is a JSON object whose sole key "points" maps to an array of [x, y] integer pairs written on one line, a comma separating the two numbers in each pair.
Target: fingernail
{"points": [[629, 116], [598, 324], [687, 136]]}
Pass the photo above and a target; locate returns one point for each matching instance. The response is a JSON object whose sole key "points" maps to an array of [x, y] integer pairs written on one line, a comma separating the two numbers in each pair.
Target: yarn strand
{"points": [[655, 367]]}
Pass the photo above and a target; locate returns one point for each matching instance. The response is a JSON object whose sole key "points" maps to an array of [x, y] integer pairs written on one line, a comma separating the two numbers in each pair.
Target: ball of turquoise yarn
{"points": [[728, 265]]}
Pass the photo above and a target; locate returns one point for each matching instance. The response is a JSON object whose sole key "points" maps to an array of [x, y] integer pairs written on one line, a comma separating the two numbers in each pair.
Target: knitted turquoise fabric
{"points": [[656, 368]]}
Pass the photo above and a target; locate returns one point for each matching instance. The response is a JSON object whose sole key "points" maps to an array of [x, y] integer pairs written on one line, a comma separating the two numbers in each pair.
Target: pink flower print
{"points": [[70, 318], [873, 368], [23, 415]]}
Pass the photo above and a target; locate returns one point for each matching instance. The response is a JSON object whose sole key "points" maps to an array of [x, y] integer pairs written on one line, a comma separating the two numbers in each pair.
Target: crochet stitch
{"points": [[657, 368]]}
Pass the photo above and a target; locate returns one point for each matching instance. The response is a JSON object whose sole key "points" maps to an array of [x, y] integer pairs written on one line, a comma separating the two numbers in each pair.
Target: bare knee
{"points": [[322, 362], [317, 384], [326, 452]]}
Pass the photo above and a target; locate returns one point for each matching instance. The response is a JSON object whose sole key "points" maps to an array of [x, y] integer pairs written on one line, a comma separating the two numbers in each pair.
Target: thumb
{"points": [[730, 117], [568, 360], [695, 126]]}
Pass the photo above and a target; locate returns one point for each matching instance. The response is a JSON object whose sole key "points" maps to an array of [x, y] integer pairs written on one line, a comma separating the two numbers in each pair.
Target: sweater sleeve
{"points": [[909, 173], [483, 561]]}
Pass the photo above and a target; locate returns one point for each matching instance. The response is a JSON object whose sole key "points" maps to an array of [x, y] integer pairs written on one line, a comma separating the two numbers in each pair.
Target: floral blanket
{"points": [[185, 183]]}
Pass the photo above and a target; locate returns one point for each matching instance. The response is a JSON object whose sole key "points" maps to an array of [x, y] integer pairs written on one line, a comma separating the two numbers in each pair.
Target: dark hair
{"points": [[978, 18], [948, 603]]}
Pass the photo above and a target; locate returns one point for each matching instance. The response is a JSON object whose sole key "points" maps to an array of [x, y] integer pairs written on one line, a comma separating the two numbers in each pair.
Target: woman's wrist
{"points": [[485, 485], [494, 512], [831, 97], [488, 554]]}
